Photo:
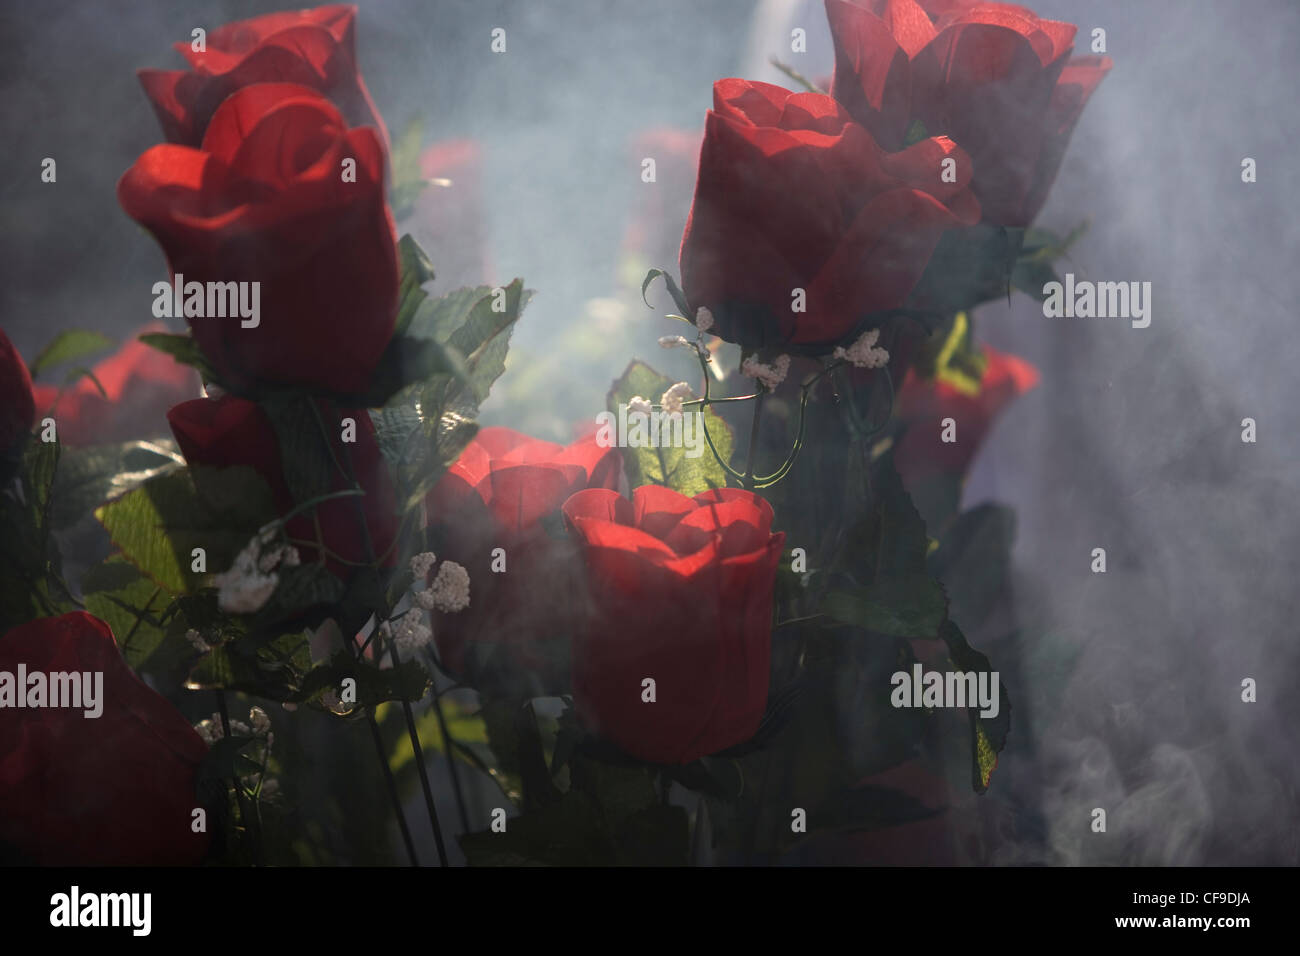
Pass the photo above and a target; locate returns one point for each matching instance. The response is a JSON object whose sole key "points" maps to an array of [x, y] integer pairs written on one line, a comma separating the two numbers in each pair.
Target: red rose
{"points": [[229, 431], [793, 194], [992, 76], [923, 404], [17, 407], [682, 594], [505, 491], [264, 201], [313, 48], [141, 383], [112, 790]]}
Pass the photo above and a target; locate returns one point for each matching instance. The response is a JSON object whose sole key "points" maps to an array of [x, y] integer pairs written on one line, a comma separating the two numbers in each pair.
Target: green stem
{"points": [[350, 475], [388, 779], [795, 75], [806, 390], [451, 761], [414, 734], [753, 439], [312, 502]]}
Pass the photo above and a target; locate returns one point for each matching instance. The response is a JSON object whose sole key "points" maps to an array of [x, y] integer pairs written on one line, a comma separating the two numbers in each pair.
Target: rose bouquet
{"points": [[725, 623]]}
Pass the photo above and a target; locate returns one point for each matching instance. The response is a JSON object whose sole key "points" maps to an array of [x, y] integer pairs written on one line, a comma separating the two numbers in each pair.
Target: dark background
{"points": [[1129, 695]]}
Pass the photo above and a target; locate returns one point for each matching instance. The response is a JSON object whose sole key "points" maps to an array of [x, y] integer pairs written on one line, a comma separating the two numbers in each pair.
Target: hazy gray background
{"points": [[1129, 687]]}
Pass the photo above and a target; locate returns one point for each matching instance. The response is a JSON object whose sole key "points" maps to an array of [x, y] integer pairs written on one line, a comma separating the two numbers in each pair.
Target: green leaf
{"points": [[674, 290], [92, 475], [308, 462], [269, 667], [912, 605], [226, 760], [890, 540], [301, 588], [973, 561], [408, 682], [415, 270], [1034, 267], [77, 374], [158, 524], [969, 266], [117, 593], [670, 466], [408, 361], [1031, 275], [988, 734], [30, 568], [183, 349], [484, 339], [407, 179], [68, 346]]}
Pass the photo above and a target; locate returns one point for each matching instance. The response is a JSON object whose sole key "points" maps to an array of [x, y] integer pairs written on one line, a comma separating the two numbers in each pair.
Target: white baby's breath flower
{"points": [[863, 352], [209, 730], [674, 342], [769, 376], [673, 398], [639, 404], [249, 583], [703, 319], [260, 720], [450, 589], [410, 632], [421, 563]]}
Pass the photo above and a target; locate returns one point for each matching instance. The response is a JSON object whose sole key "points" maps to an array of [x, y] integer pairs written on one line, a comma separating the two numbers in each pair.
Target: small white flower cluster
{"points": [[251, 580], [673, 398], [639, 405], [769, 376], [863, 352], [703, 319], [260, 720], [408, 633], [197, 642], [449, 591], [259, 725], [674, 342], [422, 564]]}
